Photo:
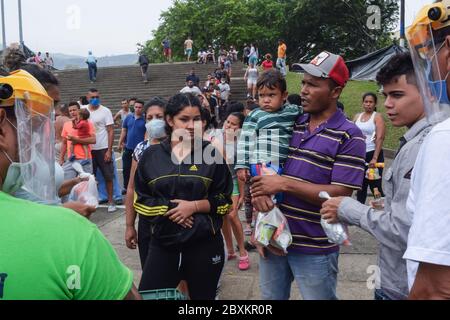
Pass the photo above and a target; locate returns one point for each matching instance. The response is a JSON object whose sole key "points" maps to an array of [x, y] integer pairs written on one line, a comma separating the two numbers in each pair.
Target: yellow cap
{"points": [[25, 87]]}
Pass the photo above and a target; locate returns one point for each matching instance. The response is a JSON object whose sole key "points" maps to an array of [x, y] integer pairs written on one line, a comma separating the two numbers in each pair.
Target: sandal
{"points": [[244, 263]]}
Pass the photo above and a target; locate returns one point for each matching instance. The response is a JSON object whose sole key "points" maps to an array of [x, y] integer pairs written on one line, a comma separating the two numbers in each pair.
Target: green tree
{"points": [[338, 26], [344, 27]]}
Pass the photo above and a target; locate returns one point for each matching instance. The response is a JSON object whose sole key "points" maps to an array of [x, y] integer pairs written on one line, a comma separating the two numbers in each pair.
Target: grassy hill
{"points": [[352, 100]]}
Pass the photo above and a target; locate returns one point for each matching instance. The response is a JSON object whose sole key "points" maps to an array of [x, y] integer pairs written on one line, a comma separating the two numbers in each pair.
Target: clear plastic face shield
{"points": [[427, 44], [36, 141]]}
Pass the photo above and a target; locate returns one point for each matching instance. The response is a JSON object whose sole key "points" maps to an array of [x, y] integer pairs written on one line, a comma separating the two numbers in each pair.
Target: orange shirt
{"points": [[282, 51], [68, 130]]}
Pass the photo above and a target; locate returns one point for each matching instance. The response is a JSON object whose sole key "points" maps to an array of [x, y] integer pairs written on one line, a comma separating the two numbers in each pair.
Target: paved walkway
{"points": [[244, 285]]}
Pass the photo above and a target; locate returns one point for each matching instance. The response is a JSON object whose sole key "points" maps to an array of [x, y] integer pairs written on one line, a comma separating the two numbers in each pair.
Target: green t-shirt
{"points": [[52, 253]]}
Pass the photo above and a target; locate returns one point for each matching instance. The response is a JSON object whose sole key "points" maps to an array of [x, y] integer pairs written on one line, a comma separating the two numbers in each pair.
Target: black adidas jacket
{"points": [[159, 180]]}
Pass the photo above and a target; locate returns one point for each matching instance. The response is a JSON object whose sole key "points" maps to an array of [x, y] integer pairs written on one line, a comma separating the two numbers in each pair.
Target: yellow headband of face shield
{"points": [[429, 28], [26, 88]]}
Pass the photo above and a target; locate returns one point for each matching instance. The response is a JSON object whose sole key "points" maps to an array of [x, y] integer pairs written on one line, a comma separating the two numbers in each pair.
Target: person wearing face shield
{"points": [[63, 244], [14, 60], [428, 251]]}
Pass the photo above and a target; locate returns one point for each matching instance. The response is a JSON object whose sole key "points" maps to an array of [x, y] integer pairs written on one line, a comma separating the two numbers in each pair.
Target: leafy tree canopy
{"points": [[347, 27]]}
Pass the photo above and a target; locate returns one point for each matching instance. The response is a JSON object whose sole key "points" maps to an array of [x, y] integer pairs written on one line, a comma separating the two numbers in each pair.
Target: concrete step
{"points": [[117, 83]]}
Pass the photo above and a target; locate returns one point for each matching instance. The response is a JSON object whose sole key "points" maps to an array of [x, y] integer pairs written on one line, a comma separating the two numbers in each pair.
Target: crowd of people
{"points": [[190, 163]]}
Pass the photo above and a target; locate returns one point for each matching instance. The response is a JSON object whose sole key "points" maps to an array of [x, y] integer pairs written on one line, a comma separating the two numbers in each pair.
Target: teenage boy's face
{"points": [[404, 104], [271, 100]]}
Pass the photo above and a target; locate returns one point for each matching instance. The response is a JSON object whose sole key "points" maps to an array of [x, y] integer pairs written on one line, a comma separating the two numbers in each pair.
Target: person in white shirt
{"points": [[225, 90], [102, 150], [428, 252], [191, 88], [48, 60]]}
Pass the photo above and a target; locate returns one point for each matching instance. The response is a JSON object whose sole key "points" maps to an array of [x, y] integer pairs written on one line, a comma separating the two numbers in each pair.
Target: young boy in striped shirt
{"points": [[267, 131]]}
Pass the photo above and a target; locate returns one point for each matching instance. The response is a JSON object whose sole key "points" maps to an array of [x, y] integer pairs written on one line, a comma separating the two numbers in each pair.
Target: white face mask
{"points": [[156, 129]]}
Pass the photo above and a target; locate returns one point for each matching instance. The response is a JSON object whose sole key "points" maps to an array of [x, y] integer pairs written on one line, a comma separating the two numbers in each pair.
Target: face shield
{"points": [[36, 141], [427, 40], [35, 135]]}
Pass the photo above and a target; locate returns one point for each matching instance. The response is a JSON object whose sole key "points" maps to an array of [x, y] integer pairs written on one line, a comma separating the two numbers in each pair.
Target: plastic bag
{"points": [[336, 232], [272, 228], [85, 192]]}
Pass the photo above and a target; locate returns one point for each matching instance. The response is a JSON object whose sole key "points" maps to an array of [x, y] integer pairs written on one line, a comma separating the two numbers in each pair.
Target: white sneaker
{"points": [[112, 208]]}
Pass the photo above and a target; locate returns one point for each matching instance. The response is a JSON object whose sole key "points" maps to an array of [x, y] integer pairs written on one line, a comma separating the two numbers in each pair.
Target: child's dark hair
{"points": [[272, 79], [295, 99], [177, 103], [399, 65], [240, 117], [234, 107], [206, 116], [84, 114]]}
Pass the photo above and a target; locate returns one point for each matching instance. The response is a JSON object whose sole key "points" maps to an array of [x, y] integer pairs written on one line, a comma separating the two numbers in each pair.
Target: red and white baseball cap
{"points": [[328, 66]]}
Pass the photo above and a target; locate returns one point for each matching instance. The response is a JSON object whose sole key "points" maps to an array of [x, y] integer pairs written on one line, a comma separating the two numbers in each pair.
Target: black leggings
{"points": [[144, 238], [362, 194], [201, 266]]}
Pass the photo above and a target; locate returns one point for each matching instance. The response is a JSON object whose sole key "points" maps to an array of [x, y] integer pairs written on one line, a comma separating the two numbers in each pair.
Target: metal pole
{"points": [[402, 24], [3, 25], [20, 25]]}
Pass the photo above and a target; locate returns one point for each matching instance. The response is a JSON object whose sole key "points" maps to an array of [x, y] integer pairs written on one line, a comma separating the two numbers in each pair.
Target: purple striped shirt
{"points": [[333, 154]]}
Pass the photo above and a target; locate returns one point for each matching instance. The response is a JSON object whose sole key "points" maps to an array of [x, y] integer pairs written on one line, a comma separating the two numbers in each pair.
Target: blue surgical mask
{"points": [[95, 102], [439, 90], [156, 129]]}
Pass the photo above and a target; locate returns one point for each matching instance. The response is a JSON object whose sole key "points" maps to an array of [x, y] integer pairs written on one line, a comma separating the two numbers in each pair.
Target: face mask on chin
{"points": [[13, 180], [24, 194]]}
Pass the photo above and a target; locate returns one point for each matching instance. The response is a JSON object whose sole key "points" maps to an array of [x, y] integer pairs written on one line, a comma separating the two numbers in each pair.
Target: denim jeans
{"points": [[281, 65], [92, 72], [316, 276]]}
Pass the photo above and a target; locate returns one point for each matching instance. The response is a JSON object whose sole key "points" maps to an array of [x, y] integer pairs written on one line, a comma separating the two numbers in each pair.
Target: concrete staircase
{"points": [[117, 83]]}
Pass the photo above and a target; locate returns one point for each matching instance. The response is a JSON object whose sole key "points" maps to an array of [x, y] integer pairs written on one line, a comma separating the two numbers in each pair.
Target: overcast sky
{"points": [[107, 27]]}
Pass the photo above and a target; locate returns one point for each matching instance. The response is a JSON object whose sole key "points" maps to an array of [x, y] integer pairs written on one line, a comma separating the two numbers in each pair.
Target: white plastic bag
{"points": [[273, 228], [337, 232], [85, 192]]}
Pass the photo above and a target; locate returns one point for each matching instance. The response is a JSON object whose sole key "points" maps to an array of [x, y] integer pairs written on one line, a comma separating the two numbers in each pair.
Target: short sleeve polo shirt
{"points": [[333, 154]]}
